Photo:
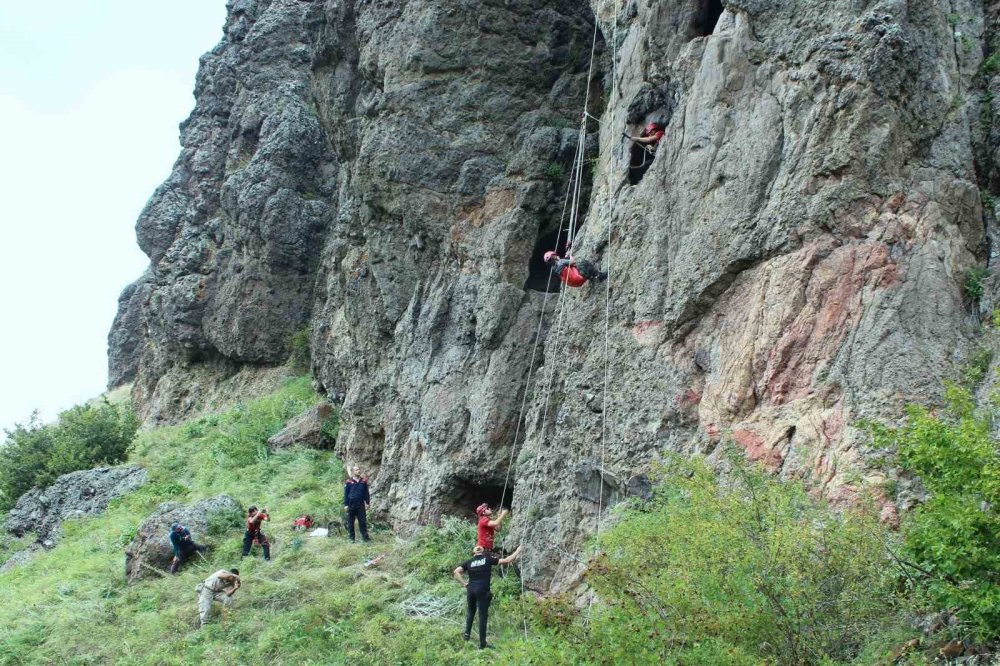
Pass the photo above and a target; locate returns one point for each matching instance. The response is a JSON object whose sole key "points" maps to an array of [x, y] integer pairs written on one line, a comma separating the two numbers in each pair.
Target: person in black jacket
{"points": [[477, 590], [356, 500]]}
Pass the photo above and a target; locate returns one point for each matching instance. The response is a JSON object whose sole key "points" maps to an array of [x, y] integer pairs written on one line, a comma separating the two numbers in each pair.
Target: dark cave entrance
{"points": [[462, 495], [705, 17], [540, 277], [639, 162]]}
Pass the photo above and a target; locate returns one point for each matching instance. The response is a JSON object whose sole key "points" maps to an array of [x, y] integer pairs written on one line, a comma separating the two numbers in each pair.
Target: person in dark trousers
{"points": [[183, 545], [356, 501], [253, 533], [477, 590], [574, 272]]}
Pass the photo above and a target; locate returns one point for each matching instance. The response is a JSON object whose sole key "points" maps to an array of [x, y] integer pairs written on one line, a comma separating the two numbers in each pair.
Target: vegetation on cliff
{"points": [[746, 570]]}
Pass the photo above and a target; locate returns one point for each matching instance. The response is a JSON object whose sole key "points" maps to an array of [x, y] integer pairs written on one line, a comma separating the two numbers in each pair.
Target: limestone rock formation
{"points": [[306, 429], [87, 492], [151, 549], [386, 174]]}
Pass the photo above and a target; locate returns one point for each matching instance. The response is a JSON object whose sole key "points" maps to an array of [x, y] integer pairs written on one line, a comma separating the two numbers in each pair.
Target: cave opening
{"points": [[705, 17], [639, 162], [462, 495], [538, 271]]}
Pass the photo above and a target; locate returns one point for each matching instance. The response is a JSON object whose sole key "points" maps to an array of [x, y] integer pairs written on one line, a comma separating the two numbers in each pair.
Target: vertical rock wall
{"points": [[381, 172]]}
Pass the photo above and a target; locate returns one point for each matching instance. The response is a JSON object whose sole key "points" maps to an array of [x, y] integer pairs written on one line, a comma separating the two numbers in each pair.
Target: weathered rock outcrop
{"points": [[87, 492], [150, 550], [306, 429], [385, 172]]}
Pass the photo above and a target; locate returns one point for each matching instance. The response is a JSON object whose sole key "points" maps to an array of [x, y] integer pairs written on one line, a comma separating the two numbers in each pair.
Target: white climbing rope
{"points": [[556, 336], [607, 317]]}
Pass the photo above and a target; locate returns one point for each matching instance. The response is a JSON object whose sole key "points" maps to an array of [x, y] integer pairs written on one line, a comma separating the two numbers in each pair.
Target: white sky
{"points": [[91, 94]]}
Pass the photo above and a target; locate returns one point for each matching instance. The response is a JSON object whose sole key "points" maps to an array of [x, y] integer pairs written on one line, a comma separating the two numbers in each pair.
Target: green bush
{"points": [[555, 172], [36, 454], [300, 357], [975, 282], [438, 550], [748, 572], [991, 65], [953, 539]]}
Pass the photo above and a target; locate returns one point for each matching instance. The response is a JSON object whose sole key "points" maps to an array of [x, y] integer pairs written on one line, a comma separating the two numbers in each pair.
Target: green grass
{"points": [[691, 578], [314, 603]]}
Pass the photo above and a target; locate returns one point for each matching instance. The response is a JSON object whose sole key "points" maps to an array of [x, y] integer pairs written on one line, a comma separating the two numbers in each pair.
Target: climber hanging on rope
{"points": [[574, 272], [477, 590], [643, 150]]}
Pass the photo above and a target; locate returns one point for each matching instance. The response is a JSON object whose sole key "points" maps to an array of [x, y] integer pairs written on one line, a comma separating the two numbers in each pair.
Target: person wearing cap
{"points": [[254, 535], [477, 589], [573, 272], [220, 586], [183, 545], [487, 526], [356, 502]]}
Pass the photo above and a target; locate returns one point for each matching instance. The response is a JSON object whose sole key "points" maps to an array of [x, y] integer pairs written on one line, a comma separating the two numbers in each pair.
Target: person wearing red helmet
{"points": [[650, 135], [573, 272], [488, 526], [644, 150]]}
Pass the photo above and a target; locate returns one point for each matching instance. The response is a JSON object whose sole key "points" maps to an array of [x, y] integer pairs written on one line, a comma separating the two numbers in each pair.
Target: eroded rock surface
{"points": [[150, 550], [384, 173], [73, 495], [306, 429]]}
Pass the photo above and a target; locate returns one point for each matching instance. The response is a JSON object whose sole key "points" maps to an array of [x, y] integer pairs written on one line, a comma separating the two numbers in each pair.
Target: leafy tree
{"points": [[741, 572], [36, 454], [953, 539]]}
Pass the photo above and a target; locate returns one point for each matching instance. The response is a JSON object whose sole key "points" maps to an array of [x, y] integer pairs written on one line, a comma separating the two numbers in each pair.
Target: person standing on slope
{"points": [[477, 589], [253, 533], [220, 586], [487, 527], [356, 502]]}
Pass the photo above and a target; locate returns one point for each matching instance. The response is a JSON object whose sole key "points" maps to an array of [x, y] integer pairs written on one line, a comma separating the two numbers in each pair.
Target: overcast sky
{"points": [[91, 94]]}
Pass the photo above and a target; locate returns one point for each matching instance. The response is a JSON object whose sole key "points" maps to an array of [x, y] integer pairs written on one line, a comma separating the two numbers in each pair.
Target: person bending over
{"points": [[183, 545], [220, 586]]}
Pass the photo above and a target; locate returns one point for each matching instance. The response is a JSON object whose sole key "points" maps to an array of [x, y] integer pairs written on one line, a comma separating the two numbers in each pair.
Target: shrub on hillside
{"points": [[438, 550], [36, 454], [748, 571], [953, 539]]}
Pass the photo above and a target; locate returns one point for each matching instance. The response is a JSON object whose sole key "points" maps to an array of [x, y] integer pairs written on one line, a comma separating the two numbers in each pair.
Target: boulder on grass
{"points": [[151, 551], [87, 492], [306, 429]]}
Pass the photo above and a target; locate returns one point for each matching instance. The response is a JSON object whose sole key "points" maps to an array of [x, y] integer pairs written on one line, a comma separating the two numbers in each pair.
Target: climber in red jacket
{"points": [[574, 272], [643, 150]]}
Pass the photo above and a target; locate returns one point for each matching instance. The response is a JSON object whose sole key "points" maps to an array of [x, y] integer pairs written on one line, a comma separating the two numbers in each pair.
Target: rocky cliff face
{"points": [[384, 172]]}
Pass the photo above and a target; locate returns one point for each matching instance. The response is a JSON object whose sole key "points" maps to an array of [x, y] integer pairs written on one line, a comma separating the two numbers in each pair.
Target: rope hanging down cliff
{"points": [[574, 192]]}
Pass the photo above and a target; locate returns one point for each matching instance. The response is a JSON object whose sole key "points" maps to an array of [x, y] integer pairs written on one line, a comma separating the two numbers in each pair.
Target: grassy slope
{"points": [[314, 603]]}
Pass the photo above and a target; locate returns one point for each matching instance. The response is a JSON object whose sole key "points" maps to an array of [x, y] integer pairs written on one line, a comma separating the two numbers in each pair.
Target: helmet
{"points": [[652, 127], [483, 508], [547, 257]]}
